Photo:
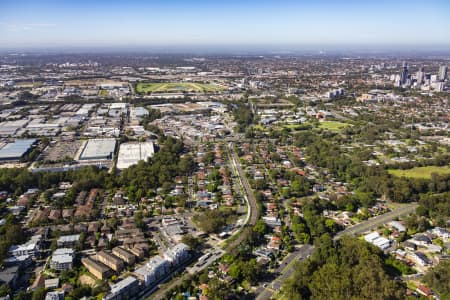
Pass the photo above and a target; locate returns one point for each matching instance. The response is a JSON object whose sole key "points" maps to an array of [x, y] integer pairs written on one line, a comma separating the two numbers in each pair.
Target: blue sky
{"points": [[369, 23]]}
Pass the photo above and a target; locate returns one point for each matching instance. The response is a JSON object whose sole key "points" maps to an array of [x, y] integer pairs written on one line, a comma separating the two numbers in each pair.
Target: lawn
{"points": [[170, 87], [420, 172], [103, 93], [333, 125]]}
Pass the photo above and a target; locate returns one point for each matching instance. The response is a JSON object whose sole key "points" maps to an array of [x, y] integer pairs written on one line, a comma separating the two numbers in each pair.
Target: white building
{"points": [[124, 289], [138, 112], [98, 149], [68, 240], [62, 259], [441, 232], [131, 153], [177, 254], [397, 225], [31, 248], [375, 239], [154, 269]]}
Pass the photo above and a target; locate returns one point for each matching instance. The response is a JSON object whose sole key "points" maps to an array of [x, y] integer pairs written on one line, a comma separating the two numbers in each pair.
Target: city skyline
{"points": [[193, 25]]}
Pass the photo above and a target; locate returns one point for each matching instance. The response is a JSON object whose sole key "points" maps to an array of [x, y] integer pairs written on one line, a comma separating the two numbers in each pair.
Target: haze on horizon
{"points": [[232, 24]]}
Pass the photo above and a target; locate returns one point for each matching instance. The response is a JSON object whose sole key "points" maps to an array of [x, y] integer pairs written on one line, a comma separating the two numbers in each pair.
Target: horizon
{"points": [[200, 26]]}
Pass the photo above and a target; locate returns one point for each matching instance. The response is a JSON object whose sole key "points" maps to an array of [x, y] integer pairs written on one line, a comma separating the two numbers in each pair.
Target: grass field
{"points": [[333, 125], [420, 172], [302, 126], [103, 93], [173, 87]]}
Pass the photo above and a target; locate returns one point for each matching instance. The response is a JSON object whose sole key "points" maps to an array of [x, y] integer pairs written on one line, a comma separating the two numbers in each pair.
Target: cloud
{"points": [[13, 27]]}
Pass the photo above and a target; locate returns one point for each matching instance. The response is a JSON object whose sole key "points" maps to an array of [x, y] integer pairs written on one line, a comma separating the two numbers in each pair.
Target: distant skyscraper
{"points": [[442, 73], [420, 76], [404, 73]]}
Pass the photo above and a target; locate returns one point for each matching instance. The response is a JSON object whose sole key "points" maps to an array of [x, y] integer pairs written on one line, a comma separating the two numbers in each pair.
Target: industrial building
{"points": [[98, 149], [15, 150], [13, 128], [138, 112], [131, 153]]}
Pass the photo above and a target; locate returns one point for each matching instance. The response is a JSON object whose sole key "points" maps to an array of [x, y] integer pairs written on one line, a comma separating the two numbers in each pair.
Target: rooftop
{"points": [[98, 149], [119, 286], [16, 149], [131, 153]]}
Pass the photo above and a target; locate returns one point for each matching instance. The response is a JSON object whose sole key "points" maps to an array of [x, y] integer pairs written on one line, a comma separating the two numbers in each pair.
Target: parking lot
{"points": [[58, 150]]}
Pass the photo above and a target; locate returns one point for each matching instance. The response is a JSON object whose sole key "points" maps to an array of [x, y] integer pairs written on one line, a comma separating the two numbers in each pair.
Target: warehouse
{"points": [[10, 128], [98, 149], [138, 112], [17, 149], [131, 153]]}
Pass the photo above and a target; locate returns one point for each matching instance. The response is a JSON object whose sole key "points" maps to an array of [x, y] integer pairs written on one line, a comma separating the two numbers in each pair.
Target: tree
{"points": [[139, 219], [260, 227], [353, 269], [211, 221], [439, 279], [22, 295], [191, 241], [39, 294], [4, 290], [235, 271], [217, 289]]}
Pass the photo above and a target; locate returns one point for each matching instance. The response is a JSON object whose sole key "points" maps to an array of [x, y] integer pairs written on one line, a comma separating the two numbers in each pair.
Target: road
{"points": [[402, 210], [248, 195], [198, 267], [157, 293], [252, 217], [287, 266], [266, 290]]}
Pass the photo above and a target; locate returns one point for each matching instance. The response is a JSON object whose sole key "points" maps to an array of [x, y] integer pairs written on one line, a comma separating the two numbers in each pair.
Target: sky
{"points": [[52, 24]]}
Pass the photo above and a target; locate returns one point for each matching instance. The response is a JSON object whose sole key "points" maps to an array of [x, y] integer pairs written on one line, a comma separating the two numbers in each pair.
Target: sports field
{"points": [[333, 125], [420, 172], [176, 87]]}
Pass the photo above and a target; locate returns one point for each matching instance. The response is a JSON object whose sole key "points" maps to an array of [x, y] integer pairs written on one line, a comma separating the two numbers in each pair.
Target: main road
{"points": [[288, 268], [253, 212], [265, 291], [402, 210], [252, 216]]}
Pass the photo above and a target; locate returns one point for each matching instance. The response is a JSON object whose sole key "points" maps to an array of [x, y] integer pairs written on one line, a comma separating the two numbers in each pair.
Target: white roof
{"points": [[397, 225], [69, 238], [119, 286], [152, 266], [63, 251], [62, 259], [371, 236], [380, 241], [99, 148], [155, 262], [131, 153], [176, 251]]}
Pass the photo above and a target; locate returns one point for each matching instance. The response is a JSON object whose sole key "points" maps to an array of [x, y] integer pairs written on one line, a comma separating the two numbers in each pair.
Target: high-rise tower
{"points": [[404, 73]]}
